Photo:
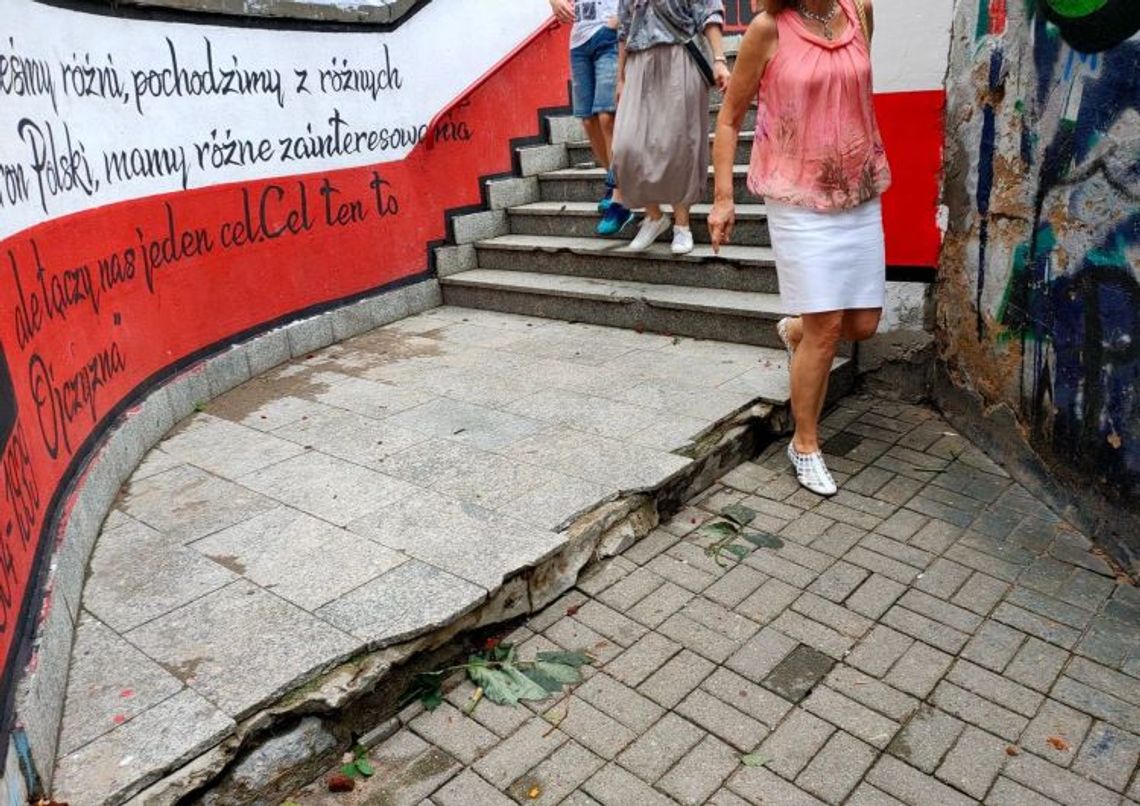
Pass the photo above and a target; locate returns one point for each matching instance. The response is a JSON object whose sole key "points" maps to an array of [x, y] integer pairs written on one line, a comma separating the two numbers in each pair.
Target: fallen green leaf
{"points": [[365, 767], [547, 682], [348, 769], [740, 552], [738, 513], [497, 687], [754, 760], [719, 530], [763, 540], [572, 659], [527, 689], [432, 699]]}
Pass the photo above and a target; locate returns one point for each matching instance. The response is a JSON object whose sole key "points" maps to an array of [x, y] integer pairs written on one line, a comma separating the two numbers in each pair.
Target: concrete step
{"points": [[737, 268], [568, 129], [580, 152], [742, 317], [578, 220], [589, 184]]}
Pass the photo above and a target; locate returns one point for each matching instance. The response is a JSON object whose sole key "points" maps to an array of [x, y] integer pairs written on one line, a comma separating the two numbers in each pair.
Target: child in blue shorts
{"points": [[593, 72]]}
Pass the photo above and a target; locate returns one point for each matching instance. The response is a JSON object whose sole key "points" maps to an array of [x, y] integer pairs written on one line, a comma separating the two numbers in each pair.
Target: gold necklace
{"points": [[823, 19]]}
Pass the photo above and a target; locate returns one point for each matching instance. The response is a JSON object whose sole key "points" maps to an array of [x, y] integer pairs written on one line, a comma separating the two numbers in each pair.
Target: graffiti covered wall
{"points": [[1040, 288], [171, 186]]}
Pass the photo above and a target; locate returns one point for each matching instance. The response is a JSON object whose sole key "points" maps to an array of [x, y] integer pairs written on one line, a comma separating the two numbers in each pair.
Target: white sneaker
{"points": [[650, 231], [682, 240], [811, 472]]}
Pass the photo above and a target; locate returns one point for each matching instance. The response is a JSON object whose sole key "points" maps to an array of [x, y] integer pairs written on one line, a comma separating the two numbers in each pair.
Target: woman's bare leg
{"points": [[811, 370]]}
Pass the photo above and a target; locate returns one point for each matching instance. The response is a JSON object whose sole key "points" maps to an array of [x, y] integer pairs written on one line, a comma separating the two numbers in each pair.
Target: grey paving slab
{"points": [[224, 448], [288, 552], [327, 487], [466, 540], [134, 754], [467, 423], [123, 598], [411, 599], [220, 647], [348, 435], [109, 683], [185, 503]]}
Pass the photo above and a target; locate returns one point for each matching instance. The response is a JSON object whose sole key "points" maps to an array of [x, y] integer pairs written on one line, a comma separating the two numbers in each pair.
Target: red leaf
{"points": [[118, 719], [573, 610], [1012, 751], [127, 693], [340, 783], [490, 644]]}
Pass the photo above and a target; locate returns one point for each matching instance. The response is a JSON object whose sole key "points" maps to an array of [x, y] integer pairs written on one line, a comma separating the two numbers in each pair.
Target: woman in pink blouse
{"points": [[819, 164]]}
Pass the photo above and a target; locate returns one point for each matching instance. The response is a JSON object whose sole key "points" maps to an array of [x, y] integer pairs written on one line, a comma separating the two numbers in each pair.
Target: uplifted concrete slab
{"points": [[370, 493]]}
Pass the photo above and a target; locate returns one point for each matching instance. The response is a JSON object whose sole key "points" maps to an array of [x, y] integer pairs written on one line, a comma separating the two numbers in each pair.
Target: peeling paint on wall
{"points": [[1039, 303]]}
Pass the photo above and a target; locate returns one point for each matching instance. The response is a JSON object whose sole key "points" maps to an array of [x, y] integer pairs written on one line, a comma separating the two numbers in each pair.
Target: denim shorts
{"points": [[593, 71]]}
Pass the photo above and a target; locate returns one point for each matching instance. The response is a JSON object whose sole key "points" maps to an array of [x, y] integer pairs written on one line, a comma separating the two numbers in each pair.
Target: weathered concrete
{"points": [[1039, 280]]}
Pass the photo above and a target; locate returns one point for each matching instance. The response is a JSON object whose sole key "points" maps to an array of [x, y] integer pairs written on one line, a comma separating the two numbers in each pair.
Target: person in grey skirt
{"points": [[661, 134]]}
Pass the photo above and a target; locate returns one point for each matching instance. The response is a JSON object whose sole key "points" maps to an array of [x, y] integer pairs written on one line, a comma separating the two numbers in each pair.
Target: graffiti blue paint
{"points": [[1078, 318]]}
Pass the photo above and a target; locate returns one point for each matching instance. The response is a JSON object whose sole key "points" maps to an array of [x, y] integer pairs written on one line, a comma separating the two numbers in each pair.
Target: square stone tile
{"points": [[598, 459], [467, 423], [124, 593], [186, 503], [300, 558], [467, 472], [350, 436], [468, 541], [595, 415], [555, 503], [132, 756], [411, 599], [225, 448], [109, 682], [220, 646], [329, 488], [364, 396]]}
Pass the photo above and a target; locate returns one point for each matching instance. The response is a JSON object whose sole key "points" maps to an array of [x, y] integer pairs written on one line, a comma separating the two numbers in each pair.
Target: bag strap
{"points": [[861, 9]]}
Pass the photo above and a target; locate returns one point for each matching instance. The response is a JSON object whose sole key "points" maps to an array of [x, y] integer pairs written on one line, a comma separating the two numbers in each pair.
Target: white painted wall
{"points": [[468, 38], [912, 44]]}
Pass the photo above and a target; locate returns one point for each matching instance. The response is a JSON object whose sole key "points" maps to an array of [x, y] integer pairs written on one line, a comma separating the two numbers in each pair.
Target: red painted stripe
{"points": [[912, 129]]}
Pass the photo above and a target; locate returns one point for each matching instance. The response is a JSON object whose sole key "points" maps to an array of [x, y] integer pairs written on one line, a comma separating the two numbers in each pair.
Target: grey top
{"points": [[642, 28]]}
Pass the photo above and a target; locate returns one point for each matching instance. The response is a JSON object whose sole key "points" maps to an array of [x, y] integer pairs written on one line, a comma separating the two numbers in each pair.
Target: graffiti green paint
{"points": [[1076, 8]]}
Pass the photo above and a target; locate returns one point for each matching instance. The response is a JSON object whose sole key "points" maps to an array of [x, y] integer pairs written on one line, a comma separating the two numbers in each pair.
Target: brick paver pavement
{"points": [[933, 635]]}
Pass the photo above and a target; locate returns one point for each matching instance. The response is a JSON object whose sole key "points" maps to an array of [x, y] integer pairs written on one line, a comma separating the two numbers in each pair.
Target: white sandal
{"points": [[812, 472]]}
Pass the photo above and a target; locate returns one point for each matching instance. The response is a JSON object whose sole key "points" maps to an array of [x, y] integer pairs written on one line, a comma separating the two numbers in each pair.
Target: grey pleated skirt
{"points": [[661, 133]]}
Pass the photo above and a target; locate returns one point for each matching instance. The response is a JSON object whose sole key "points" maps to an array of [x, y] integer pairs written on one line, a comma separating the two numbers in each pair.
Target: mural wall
{"points": [[1040, 297], [169, 187]]}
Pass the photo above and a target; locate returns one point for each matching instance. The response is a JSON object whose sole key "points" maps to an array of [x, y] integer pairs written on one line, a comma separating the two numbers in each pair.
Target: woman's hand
{"points": [[722, 219], [563, 10], [721, 75]]}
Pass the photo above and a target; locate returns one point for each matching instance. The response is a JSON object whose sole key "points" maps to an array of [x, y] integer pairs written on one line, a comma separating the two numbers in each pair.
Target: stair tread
{"points": [[741, 303], [743, 211], [611, 248], [744, 135], [595, 173]]}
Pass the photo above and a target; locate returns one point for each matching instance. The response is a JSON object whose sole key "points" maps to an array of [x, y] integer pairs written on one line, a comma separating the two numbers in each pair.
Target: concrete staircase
{"points": [[535, 252]]}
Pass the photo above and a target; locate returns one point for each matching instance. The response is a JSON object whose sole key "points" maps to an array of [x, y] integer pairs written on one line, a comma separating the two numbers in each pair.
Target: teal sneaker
{"points": [[616, 218], [605, 202]]}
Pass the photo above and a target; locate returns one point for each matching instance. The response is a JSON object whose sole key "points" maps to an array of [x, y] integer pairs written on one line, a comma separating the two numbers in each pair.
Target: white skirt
{"points": [[832, 261]]}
